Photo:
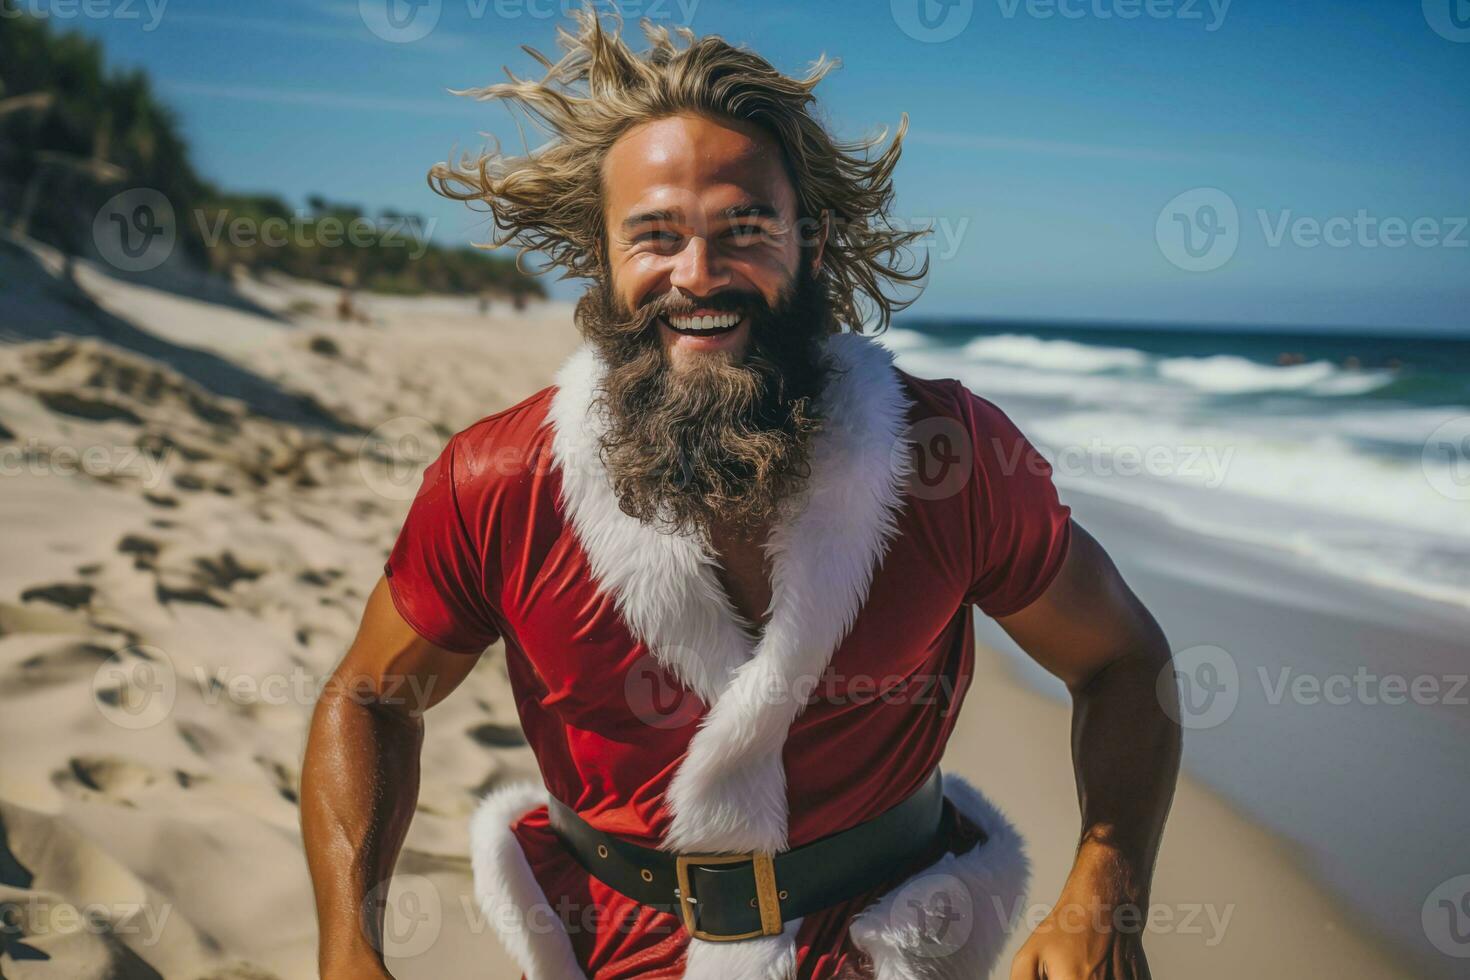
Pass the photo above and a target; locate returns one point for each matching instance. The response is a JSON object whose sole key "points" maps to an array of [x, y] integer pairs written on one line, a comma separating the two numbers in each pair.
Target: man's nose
{"points": [[697, 270]]}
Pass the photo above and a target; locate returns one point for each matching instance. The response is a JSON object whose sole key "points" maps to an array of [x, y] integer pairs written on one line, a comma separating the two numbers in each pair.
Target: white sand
{"points": [[203, 589]]}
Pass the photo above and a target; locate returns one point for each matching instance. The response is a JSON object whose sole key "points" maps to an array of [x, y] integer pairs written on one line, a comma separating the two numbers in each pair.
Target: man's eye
{"points": [[657, 236]]}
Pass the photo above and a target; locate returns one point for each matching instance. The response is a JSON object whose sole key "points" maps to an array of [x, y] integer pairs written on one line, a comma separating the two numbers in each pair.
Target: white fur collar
{"points": [[729, 794]]}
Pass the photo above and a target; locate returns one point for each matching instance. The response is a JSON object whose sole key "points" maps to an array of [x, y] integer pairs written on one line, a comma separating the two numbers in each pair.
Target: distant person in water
{"points": [[732, 556]]}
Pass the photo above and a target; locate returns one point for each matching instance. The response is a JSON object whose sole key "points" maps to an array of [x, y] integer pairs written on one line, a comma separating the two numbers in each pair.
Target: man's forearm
{"points": [[1126, 747], [359, 784]]}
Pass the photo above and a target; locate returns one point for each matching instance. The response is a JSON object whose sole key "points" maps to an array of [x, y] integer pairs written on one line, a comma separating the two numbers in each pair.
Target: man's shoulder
{"points": [[946, 397], [996, 441], [511, 443]]}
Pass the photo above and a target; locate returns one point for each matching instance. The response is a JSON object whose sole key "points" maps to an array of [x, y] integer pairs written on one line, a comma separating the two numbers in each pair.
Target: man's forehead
{"points": [[687, 166]]}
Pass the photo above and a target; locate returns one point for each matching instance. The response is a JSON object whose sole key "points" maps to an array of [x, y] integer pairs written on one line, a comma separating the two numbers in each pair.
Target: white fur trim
{"points": [[980, 891], [729, 794], [510, 898], [664, 585]]}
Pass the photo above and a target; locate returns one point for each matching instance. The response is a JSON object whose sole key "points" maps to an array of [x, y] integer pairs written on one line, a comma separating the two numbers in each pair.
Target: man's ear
{"points": [[824, 228]]}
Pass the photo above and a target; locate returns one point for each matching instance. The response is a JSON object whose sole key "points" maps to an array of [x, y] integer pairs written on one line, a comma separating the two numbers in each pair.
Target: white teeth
{"points": [[704, 323]]}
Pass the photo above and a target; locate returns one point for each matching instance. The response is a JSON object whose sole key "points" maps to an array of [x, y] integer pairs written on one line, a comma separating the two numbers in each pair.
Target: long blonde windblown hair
{"points": [[550, 199]]}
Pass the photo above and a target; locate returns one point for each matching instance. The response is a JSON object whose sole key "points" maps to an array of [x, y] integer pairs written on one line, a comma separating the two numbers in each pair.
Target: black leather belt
{"points": [[728, 897]]}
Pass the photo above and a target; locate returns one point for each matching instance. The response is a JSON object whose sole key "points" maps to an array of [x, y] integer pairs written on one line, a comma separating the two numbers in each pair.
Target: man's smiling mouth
{"points": [[703, 326]]}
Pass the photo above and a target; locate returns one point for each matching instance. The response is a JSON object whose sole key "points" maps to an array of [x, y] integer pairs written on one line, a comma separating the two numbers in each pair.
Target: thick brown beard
{"points": [[716, 443]]}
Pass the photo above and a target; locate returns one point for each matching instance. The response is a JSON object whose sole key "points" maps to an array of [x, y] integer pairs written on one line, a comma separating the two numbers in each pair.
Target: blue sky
{"points": [[1050, 140]]}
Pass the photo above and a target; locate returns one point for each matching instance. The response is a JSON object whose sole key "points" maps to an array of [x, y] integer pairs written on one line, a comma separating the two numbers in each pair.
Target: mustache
{"points": [[677, 302]]}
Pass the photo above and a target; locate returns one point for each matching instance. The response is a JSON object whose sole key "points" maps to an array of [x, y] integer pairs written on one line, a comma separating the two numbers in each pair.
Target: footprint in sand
{"points": [[495, 736], [67, 595], [286, 780], [202, 741], [114, 779], [49, 668]]}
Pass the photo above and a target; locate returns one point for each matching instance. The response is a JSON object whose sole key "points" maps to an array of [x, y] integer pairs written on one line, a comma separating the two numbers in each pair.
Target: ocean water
{"points": [[1349, 450]]}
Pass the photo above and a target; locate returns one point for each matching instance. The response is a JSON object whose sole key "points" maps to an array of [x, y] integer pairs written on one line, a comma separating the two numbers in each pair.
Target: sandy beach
{"points": [[199, 492]]}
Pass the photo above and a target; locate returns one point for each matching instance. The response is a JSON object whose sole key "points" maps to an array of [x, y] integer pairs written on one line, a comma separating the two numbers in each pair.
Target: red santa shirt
{"points": [[657, 715]]}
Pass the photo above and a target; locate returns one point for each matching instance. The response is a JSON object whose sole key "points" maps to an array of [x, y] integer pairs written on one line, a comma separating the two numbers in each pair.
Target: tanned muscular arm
{"points": [[360, 777], [1092, 632]]}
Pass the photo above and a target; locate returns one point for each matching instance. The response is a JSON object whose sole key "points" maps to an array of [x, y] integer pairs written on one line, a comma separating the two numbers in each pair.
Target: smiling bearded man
{"points": [[734, 565]]}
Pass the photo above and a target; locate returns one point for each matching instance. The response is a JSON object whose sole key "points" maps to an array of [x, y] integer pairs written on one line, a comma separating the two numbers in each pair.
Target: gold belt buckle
{"points": [[766, 893]]}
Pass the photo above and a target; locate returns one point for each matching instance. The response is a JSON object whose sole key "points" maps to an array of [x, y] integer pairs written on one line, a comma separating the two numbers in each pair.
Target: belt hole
{"points": [[646, 875], [602, 850]]}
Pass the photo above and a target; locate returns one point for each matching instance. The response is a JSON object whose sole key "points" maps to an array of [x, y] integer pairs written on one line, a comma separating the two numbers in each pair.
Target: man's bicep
{"points": [[1086, 618], [391, 665]]}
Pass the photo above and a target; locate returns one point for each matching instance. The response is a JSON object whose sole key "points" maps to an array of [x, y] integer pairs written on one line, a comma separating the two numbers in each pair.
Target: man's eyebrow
{"points": [[647, 217], [755, 209]]}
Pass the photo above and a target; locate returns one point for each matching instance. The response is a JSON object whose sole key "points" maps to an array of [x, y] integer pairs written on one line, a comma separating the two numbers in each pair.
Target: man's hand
{"points": [[1094, 932], [1090, 630]]}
